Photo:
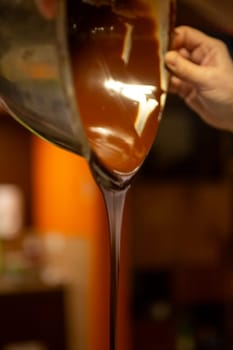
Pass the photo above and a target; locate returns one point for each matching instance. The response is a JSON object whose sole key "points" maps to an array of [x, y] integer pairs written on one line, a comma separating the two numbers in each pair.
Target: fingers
{"points": [[180, 88], [184, 69], [188, 37], [187, 93]]}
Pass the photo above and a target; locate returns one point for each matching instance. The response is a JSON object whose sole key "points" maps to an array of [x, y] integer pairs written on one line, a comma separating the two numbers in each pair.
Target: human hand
{"points": [[47, 8], [202, 75]]}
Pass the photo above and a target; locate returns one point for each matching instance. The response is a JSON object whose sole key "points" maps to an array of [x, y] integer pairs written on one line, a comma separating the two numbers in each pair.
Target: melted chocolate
{"points": [[116, 70]]}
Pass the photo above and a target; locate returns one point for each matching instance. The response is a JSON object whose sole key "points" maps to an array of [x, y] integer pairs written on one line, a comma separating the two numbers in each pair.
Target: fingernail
{"points": [[170, 59], [176, 31]]}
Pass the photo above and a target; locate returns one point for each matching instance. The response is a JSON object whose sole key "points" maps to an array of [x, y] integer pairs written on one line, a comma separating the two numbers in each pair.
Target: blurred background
{"points": [[176, 283]]}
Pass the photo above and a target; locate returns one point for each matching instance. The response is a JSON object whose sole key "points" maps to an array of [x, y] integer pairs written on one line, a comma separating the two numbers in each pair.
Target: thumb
{"points": [[184, 69]]}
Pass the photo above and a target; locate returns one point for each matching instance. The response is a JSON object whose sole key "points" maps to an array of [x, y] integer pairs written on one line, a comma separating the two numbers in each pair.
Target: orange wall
{"points": [[66, 199], [66, 196]]}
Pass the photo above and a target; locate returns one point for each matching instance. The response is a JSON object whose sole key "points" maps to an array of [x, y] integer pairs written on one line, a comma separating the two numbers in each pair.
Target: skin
{"points": [[201, 67], [202, 75]]}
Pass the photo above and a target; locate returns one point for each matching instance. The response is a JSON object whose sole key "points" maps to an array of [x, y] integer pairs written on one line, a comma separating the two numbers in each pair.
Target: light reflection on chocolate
{"points": [[116, 69]]}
